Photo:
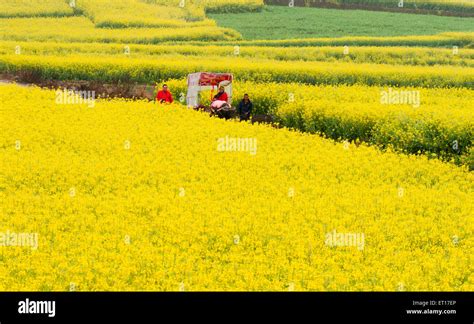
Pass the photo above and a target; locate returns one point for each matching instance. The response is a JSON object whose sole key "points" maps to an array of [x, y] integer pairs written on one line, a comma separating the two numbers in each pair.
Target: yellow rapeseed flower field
{"points": [[438, 122], [379, 55], [28, 8], [113, 68], [215, 5], [130, 13], [81, 29], [130, 195]]}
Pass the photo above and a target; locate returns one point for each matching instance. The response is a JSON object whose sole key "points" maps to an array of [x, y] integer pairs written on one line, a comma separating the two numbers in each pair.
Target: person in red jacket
{"points": [[221, 95], [164, 95]]}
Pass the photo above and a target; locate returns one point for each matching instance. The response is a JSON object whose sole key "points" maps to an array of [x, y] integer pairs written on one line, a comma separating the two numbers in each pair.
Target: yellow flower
{"points": [[189, 241]]}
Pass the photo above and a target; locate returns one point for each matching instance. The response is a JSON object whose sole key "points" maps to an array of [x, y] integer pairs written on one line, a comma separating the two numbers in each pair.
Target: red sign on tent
{"points": [[213, 79]]}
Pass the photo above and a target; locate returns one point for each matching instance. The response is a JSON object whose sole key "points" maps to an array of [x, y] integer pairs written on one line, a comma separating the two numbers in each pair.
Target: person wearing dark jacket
{"points": [[245, 108]]}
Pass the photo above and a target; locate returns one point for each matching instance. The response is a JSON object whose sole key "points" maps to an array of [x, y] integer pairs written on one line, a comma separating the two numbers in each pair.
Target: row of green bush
{"points": [[453, 7]]}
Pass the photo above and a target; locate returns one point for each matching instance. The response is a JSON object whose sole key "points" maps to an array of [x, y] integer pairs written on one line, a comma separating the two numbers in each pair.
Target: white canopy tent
{"points": [[202, 81]]}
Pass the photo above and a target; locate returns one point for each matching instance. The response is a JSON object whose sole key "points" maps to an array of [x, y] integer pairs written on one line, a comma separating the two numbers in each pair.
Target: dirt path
{"points": [[7, 82], [135, 91]]}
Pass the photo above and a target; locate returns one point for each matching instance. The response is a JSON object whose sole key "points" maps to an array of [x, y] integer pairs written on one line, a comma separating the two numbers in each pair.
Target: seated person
{"points": [[164, 96], [221, 95], [245, 108], [218, 104]]}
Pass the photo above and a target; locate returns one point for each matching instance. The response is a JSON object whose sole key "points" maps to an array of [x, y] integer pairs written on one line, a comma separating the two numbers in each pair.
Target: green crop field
{"points": [[276, 22]]}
